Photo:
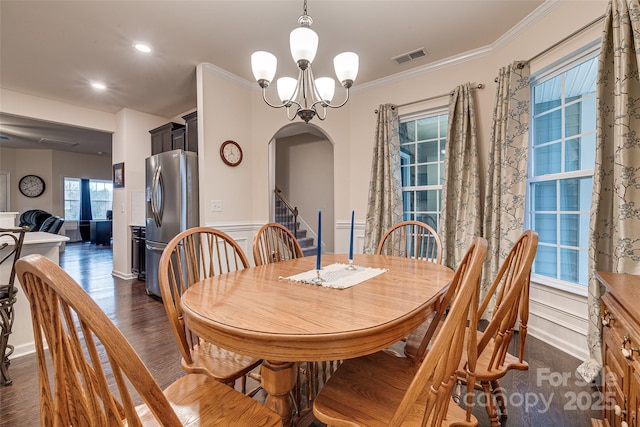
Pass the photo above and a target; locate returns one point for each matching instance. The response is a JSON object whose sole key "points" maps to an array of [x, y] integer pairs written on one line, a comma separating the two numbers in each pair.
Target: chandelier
{"points": [[306, 96]]}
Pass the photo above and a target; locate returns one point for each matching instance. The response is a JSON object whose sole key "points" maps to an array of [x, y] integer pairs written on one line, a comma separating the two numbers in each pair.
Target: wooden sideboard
{"points": [[620, 314]]}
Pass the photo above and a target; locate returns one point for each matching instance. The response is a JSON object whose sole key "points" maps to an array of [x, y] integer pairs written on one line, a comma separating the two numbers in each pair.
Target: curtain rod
{"points": [[570, 36], [558, 43], [477, 86]]}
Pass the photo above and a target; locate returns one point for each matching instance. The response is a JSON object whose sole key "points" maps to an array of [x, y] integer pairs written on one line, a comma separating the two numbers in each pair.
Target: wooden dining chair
{"points": [[413, 239], [191, 256], [385, 390], [96, 378], [510, 291], [273, 243], [11, 241]]}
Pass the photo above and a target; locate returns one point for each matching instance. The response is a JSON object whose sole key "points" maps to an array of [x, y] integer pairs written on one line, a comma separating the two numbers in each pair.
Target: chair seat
{"points": [[372, 403], [198, 400], [223, 365], [483, 373]]}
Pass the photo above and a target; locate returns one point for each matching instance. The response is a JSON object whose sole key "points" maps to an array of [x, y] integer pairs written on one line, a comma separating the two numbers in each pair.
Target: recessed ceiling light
{"points": [[142, 47], [99, 86]]}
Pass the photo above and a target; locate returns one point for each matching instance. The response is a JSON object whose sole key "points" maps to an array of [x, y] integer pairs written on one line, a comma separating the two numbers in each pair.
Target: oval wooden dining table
{"points": [[257, 312]]}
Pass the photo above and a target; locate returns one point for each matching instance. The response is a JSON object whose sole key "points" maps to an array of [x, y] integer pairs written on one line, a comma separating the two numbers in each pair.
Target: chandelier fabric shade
{"points": [[307, 96]]}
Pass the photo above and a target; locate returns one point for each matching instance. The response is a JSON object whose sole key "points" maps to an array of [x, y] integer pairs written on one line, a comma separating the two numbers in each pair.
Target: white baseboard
{"points": [[124, 276]]}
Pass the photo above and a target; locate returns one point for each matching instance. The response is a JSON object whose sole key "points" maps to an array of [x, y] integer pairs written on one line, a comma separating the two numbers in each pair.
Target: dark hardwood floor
{"points": [[548, 394]]}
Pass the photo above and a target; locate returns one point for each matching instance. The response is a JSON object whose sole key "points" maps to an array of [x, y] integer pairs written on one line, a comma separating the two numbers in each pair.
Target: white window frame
{"points": [[582, 55], [425, 114], [64, 195]]}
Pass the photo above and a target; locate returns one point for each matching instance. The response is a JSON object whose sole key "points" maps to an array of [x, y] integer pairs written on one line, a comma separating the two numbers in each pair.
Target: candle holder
{"points": [[350, 267], [317, 280]]}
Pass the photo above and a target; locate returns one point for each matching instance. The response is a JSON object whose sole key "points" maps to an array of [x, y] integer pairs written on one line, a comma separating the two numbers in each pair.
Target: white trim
{"points": [[530, 20], [124, 276], [230, 76]]}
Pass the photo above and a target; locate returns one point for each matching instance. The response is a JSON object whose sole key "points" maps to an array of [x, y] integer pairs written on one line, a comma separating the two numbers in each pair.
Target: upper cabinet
{"points": [[174, 136], [191, 132]]}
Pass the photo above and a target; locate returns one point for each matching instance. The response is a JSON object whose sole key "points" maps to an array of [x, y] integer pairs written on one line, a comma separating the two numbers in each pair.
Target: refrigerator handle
{"points": [[156, 187]]}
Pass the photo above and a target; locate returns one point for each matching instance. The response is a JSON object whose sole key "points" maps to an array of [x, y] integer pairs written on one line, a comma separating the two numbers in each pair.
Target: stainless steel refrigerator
{"points": [[171, 205]]}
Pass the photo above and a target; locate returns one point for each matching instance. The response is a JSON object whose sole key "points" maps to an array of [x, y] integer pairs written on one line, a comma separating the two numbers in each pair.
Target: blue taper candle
{"points": [[319, 239], [351, 239]]}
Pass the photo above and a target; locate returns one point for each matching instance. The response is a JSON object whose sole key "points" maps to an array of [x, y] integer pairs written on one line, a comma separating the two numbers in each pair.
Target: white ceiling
{"points": [[54, 49]]}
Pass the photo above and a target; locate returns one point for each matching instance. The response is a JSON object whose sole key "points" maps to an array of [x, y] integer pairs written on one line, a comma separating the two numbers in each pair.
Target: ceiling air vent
{"points": [[57, 143], [406, 57]]}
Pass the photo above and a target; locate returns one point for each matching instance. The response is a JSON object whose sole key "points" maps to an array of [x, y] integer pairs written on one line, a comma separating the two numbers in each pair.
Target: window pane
{"points": [[545, 225], [421, 167], [544, 196], [428, 152], [407, 173], [407, 200], [408, 154], [428, 174], [570, 229], [407, 131], [547, 95], [547, 159], [575, 194], [545, 261], [569, 265], [444, 122], [427, 200], [563, 145], [428, 128], [429, 219], [548, 127]]}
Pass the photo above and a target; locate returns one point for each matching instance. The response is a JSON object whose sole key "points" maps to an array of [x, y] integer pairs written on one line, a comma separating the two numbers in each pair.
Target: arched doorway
{"points": [[301, 163]]}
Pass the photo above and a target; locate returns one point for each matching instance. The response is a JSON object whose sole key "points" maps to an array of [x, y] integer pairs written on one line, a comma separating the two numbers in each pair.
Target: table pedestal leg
{"points": [[278, 380]]}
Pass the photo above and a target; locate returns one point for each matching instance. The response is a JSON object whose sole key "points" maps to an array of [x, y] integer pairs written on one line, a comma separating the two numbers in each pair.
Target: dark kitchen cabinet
{"points": [[162, 138], [191, 132], [138, 242]]}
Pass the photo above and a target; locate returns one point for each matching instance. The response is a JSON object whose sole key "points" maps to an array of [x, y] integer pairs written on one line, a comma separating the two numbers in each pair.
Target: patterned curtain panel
{"points": [[507, 173], [615, 211], [461, 210], [385, 188]]}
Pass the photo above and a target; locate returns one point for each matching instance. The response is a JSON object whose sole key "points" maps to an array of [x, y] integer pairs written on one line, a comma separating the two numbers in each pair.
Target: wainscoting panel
{"points": [[559, 318]]}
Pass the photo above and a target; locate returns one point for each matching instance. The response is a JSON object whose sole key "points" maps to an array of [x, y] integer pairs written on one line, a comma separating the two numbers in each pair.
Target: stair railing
{"points": [[292, 210]]}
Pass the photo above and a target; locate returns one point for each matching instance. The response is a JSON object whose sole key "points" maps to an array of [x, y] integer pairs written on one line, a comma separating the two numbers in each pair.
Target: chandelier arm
{"points": [[264, 97], [324, 112], [295, 114], [326, 104]]}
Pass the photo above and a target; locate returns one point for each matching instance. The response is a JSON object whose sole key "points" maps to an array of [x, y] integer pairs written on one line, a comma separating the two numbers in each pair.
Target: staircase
{"points": [[284, 217]]}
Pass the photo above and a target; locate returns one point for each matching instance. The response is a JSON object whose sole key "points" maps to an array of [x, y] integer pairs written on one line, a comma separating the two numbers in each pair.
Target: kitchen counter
{"points": [[35, 242]]}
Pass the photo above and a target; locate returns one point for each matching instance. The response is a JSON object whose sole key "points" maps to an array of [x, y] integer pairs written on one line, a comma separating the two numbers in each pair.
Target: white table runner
{"points": [[337, 276]]}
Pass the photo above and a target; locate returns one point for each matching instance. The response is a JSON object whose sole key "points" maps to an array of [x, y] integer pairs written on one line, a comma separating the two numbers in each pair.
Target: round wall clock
{"points": [[231, 153], [31, 185]]}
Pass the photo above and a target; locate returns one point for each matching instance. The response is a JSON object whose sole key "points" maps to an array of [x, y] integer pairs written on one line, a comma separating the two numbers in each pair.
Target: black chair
{"points": [[10, 249], [33, 219]]}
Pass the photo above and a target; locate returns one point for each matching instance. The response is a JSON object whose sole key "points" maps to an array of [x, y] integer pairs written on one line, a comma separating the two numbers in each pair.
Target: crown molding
{"points": [[530, 20], [227, 75]]}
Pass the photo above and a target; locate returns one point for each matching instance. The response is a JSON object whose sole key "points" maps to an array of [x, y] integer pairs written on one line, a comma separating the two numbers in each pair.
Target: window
{"points": [[101, 198], [561, 161], [422, 146]]}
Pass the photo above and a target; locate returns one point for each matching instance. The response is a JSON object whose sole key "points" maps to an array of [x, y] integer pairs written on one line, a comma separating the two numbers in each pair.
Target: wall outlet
{"points": [[216, 206]]}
